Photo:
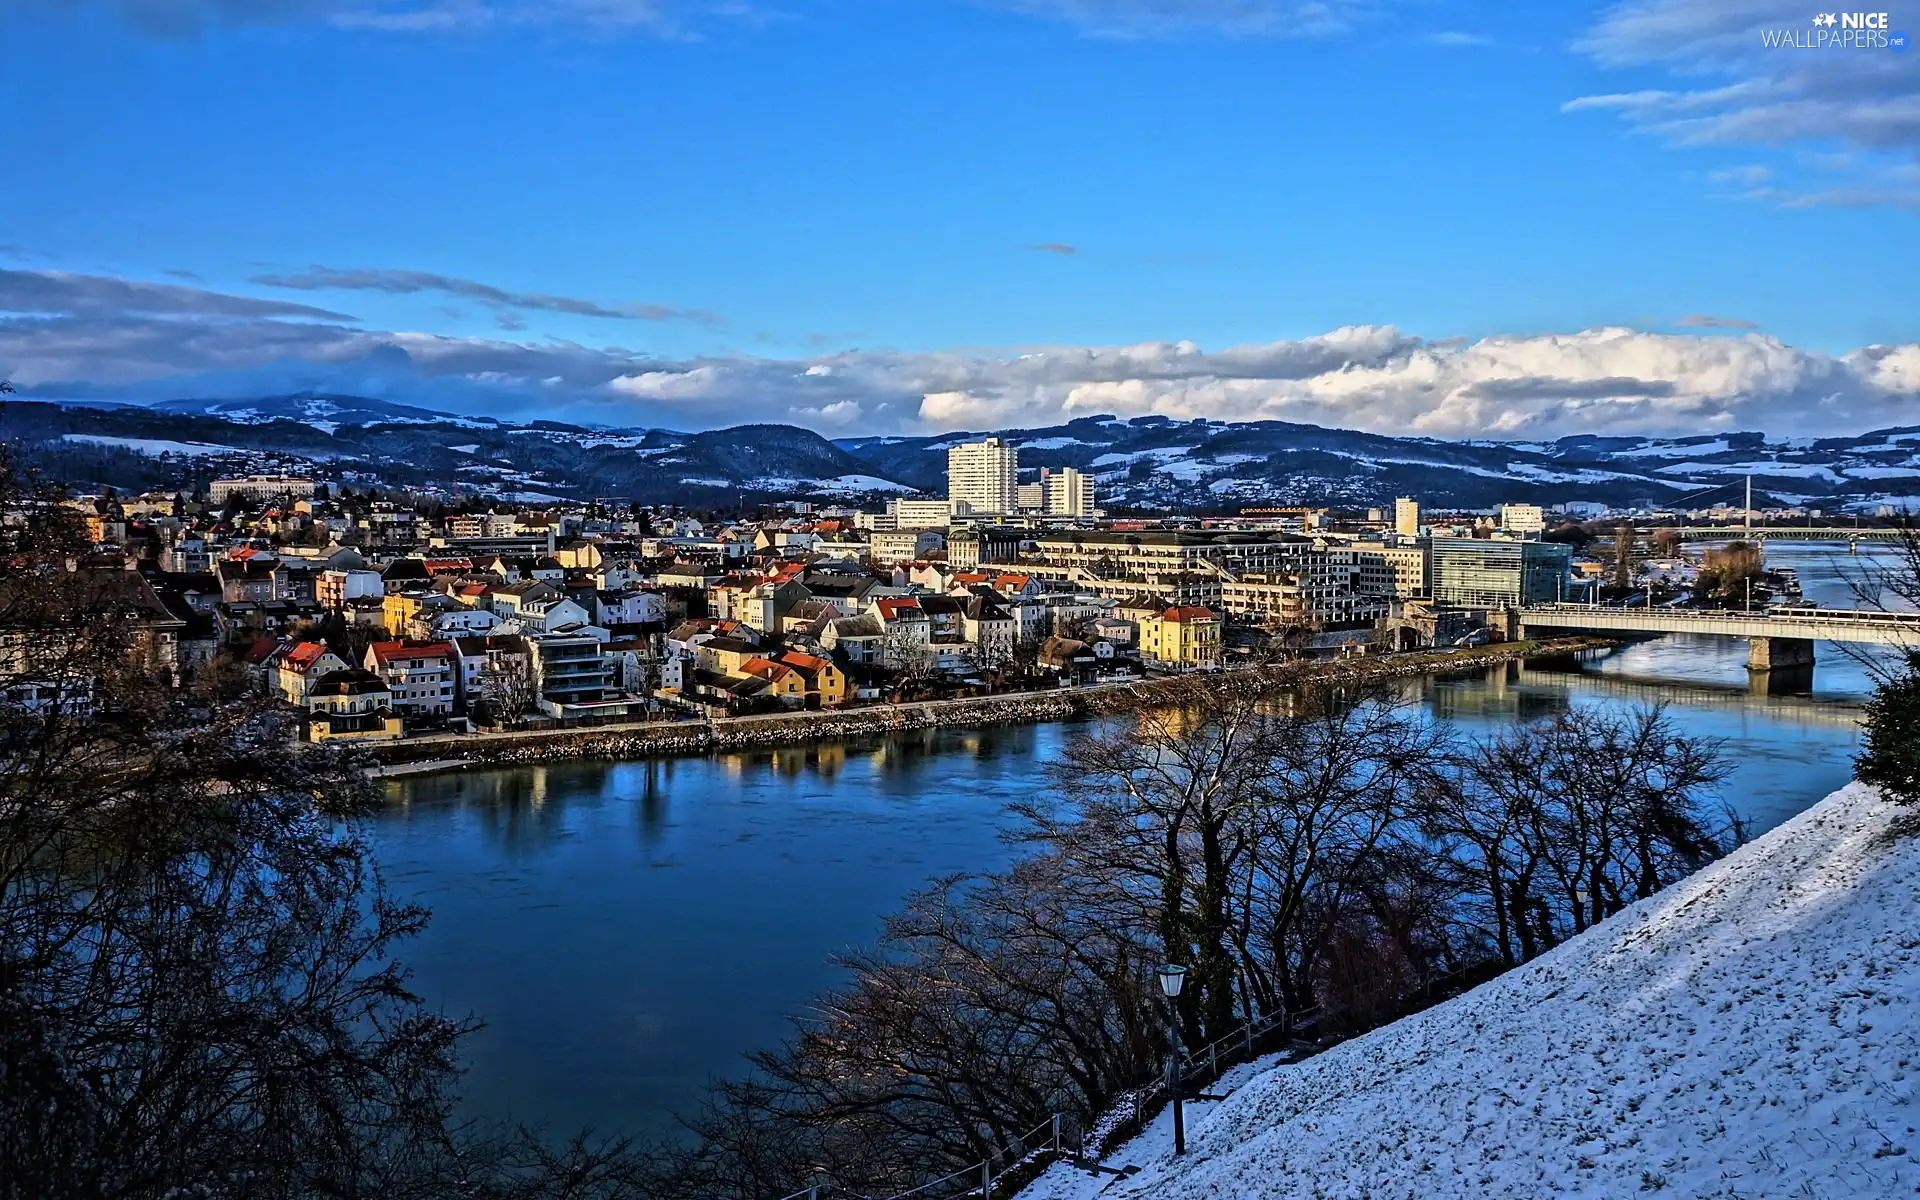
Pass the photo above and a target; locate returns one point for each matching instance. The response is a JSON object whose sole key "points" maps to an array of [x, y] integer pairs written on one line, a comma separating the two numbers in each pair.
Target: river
{"points": [[630, 930]]}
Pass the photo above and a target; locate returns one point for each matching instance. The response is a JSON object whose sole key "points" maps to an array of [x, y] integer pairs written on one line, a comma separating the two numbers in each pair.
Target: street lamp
{"points": [[1172, 976]]}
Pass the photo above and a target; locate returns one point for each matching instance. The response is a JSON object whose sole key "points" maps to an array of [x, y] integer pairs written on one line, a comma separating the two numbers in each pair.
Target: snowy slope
{"points": [[1752, 1031]]}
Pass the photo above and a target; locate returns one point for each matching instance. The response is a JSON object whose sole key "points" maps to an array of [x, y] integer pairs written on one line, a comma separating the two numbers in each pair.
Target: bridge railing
{"points": [[1816, 616]]}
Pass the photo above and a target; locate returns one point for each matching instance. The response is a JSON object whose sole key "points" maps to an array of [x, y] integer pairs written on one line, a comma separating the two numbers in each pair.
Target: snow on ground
{"points": [[152, 446], [1778, 470], [1669, 450], [1051, 443], [1529, 471], [1160, 455], [857, 483], [1880, 472], [1751, 1031], [1063, 1181]]}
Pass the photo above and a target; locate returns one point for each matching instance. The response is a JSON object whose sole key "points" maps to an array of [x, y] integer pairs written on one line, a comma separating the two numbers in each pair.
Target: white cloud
{"points": [[1458, 39], [1246, 18], [95, 336], [186, 18], [1741, 93]]}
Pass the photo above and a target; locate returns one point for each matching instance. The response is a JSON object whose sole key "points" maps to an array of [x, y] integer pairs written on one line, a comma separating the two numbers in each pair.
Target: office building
{"points": [[920, 514], [1498, 572], [1523, 520]]}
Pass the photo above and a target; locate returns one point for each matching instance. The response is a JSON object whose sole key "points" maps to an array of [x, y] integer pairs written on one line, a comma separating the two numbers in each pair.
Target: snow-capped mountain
{"points": [[1139, 464], [327, 412]]}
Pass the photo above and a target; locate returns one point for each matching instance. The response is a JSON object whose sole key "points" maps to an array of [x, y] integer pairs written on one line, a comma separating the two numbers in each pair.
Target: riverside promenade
{"points": [[649, 739]]}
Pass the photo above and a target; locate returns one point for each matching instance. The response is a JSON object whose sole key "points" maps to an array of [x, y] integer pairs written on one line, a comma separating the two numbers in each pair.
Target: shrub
{"points": [[1890, 754]]}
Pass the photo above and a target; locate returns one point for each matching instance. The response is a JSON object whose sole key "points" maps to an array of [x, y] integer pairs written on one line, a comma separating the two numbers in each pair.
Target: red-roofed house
{"points": [[1184, 635], [292, 668], [419, 674], [826, 684], [783, 682]]}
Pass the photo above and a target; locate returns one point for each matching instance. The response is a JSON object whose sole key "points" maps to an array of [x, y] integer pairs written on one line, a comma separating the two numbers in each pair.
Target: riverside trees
{"points": [[1291, 850]]}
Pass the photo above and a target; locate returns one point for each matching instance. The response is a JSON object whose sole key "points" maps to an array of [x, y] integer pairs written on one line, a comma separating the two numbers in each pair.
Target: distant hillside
{"points": [[410, 447], [1156, 462], [1749, 1032], [1146, 463]]}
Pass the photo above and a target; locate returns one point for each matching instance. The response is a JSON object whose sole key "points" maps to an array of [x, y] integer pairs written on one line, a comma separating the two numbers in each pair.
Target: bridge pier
{"points": [[1770, 653]]}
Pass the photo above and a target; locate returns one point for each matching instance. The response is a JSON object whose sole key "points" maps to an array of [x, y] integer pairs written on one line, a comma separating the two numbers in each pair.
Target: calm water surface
{"points": [[630, 930]]}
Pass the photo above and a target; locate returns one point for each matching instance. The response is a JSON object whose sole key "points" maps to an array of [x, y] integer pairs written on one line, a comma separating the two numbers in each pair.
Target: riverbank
{"points": [[452, 752]]}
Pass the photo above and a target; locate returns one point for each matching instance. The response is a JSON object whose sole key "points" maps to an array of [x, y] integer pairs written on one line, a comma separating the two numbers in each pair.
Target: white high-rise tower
{"points": [[985, 475]]}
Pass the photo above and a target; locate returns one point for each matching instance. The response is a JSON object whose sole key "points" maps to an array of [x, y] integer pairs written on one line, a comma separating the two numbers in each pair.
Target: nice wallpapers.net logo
{"points": [[1839, 31]]}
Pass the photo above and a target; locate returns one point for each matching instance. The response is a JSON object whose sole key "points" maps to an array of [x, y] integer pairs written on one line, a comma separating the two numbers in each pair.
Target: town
{"points": [[379, 615]]}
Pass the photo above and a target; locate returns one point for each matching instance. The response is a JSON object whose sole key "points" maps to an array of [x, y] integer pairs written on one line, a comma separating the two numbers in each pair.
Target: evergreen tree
{"points": [[1890, 754]]}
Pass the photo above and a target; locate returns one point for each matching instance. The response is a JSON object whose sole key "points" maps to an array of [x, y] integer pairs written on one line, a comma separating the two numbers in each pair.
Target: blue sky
{"points": [[681, 187]]}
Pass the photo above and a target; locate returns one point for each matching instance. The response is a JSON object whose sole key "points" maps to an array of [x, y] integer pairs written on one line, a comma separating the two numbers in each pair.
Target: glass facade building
{"points": [[1492, 573]]}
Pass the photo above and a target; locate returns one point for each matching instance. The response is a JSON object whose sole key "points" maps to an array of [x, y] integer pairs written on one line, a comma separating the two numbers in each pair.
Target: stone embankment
{"points": [[426, 755]]}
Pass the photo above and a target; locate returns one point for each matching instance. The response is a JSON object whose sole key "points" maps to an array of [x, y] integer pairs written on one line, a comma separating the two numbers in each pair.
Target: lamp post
{"points": [[1172, 976]]}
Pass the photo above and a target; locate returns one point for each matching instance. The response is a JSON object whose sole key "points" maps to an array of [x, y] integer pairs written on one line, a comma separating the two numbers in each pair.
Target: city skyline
{"points": [[1461, 220]]}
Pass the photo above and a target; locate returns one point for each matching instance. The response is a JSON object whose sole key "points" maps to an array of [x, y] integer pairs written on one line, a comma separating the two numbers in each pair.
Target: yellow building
{"points": [[399, 610], [1184, 635], [351, 705], [826, 683]]}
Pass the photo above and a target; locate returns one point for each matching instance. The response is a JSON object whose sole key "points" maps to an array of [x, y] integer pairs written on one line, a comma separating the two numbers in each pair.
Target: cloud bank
{"points": [[74, 336]]}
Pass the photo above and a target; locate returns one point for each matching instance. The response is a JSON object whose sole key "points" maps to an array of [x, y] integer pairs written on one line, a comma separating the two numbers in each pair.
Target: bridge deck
{"points": [[1830, 625]]}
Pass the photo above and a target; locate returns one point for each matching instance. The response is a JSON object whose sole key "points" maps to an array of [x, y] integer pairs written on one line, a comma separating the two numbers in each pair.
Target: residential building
{"points": [[1179, 635], [886, 549], [569, 669], [337, 585], [858, 641], [494, 670], [989, 627], [1406, 517], [1068, 493], [246, 580], [419, 674], [292, 668], [826, 683], [351, 704], [1498, 572], [984, 475]]}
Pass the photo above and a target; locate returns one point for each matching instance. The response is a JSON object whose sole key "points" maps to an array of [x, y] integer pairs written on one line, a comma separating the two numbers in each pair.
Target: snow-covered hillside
{"points": [[1753, 1031]]}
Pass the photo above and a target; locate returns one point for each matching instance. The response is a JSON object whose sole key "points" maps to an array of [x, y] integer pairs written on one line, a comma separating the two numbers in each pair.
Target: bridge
{"points": [[1780, 533], [1779, 638]]}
